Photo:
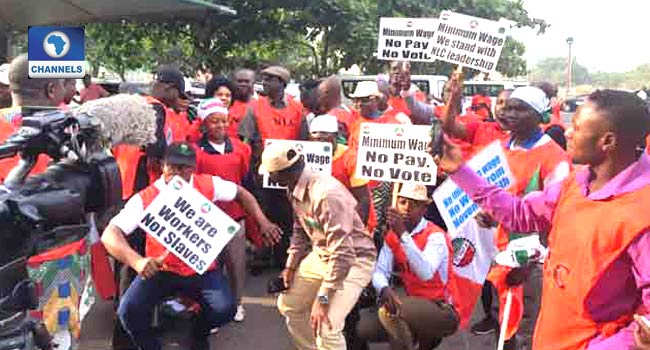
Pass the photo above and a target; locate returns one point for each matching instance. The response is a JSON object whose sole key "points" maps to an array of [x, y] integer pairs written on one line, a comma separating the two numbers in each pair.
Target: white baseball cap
{"points": [[532, 96], [324, 123], [366, 89], [210, 106], [4, 74]]}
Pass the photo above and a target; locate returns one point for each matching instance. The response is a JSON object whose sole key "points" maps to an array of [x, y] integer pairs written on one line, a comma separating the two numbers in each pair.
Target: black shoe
{"points": [[511, 344], [485, 326], [200, 343]]}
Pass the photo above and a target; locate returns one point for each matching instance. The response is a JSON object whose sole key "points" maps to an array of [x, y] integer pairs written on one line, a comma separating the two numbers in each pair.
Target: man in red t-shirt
{"points": [[91, 91], [162, 273]]}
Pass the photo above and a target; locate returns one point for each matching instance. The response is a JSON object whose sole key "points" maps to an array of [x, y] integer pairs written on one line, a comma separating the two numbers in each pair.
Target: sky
{"points": [[608, 35]]}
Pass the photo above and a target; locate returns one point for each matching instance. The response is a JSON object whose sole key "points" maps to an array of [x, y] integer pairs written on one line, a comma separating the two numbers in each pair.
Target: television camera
{"points": [[45, 211]]}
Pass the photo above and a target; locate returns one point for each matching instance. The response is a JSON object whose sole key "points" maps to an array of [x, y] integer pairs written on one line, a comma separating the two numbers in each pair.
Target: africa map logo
{"points": [[56, 44]]}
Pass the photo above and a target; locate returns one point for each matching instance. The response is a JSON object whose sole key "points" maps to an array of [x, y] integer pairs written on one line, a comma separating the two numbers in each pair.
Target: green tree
{"points": [[554, 69], [315, 37]]}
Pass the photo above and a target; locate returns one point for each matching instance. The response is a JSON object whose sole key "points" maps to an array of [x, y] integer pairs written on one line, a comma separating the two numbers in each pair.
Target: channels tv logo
{"points": [[56, 52]]}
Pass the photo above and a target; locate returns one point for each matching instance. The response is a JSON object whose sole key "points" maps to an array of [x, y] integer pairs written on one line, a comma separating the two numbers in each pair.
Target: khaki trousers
{"points": [[296, 303]]}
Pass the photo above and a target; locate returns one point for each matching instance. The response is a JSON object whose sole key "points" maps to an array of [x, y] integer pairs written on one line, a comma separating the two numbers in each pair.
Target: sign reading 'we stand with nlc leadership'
{"points": [[188, 225], [455, 206]]}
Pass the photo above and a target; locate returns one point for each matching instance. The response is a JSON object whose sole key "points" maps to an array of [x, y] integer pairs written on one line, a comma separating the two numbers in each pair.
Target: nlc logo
{"points": [[56, 52]]}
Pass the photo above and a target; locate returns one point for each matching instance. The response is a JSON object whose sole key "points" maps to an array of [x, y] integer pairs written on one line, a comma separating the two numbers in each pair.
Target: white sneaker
{"points": [[240, 315], [214, 330]]}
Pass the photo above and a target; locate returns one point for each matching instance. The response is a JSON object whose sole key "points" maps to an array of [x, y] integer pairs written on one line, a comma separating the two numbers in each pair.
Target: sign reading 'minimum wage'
{"points": [[188, 225], [406, 39], [469, 41], [395, 153]]}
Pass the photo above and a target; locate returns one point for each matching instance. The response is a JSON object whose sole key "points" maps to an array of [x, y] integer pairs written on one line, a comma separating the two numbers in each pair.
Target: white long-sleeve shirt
{"points": [[424, 263]]}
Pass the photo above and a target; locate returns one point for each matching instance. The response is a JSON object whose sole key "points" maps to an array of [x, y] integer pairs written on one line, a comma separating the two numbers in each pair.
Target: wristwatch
{"points": [[323, 299]]}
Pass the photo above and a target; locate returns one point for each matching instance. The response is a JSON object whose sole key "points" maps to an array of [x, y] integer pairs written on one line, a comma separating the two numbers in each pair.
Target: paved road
{"points": [[262, 329]]}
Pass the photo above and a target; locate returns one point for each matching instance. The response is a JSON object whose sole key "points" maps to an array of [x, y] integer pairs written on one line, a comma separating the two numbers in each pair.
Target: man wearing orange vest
{"points": [[242, 96], [536, 162], [597, 275], [329, 95], [401, 89], [274, 115], [420, 253], [28, 96], [162, 273]]}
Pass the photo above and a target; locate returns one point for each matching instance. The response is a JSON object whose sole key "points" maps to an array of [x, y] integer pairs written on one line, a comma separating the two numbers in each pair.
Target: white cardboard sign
{"points": [[188, 224], [395, 153], [455, 206], [469, 41], [406, 39], [317, 154]]}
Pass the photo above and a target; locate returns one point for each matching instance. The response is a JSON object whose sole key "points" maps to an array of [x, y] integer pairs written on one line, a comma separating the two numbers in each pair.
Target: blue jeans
{"points": [[210, 290]]}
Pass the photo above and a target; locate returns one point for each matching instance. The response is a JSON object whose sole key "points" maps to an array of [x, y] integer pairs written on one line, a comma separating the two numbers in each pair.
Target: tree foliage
{"points": [[311, 37]]}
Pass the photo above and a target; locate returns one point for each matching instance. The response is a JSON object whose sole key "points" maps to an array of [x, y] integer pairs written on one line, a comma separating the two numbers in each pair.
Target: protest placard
{"points": [[406, 39], [395, 153], [317, 154], [188, 224], [455, 206], [469, 41]]}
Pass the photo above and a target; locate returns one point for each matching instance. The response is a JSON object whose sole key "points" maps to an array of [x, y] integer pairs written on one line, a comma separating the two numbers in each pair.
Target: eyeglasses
{"points": [[363, 100]]}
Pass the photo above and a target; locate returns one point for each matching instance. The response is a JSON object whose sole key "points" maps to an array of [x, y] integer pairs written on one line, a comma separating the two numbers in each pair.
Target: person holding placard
{"points": [[331, 256], [401, 89], [597, 274], [420, 253], [536, 162], [161, 273], [227, 157]]}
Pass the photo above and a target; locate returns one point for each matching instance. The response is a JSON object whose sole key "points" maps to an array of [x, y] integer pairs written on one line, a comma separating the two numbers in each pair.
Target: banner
{"points": [[317, 154], [395, 153], [406, 39], [469, 41], [455, 206], [188, 225]]}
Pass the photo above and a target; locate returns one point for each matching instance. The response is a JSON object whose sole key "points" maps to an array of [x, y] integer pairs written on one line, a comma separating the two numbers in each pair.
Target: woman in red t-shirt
{"points": [[226, 157]]}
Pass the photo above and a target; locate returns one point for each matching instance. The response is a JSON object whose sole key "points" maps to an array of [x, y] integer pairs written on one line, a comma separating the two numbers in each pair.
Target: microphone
{"points": [[122, 119]]}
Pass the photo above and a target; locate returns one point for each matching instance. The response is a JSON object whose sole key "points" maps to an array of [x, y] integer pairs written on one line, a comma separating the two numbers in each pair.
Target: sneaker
{"points": [[485, 326], [214, 330], [240, 315]]}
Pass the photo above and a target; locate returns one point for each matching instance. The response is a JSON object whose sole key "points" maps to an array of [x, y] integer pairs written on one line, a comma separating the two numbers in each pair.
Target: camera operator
{"points": [[28, 96], [162, 274]]}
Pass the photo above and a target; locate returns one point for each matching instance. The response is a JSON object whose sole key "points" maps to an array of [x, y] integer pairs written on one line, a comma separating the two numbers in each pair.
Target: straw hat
{"points": [[414, 191], [277, 156]]}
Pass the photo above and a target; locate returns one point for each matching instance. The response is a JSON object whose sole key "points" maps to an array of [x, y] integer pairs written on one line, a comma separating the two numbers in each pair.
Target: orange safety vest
{"points": [[10, 122], [343, 169], [434, 289], [389, 117], [586, 237], [236, 114], [280, 124], [398, 102], [523, 164], [177, 126], [153, 249]]}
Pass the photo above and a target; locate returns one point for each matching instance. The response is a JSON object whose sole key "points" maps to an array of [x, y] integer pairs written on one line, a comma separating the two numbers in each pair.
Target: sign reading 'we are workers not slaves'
{"points": [[455, 206], [188, 225]]}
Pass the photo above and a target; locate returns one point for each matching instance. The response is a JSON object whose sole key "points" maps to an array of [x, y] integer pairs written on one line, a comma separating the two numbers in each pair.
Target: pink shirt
{"points": [[625, 284], [92, 92]]}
